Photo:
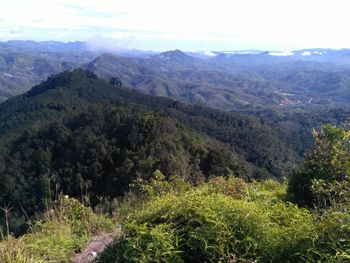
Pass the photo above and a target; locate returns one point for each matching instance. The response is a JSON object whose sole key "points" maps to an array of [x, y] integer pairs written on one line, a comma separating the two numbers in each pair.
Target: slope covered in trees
{"points": [[220, 220], [71, 93], [232, 221], [76, 132], [176, 172]]}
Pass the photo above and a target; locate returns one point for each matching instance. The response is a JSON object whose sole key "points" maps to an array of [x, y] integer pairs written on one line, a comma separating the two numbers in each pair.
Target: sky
{"points": [[190, 25]]}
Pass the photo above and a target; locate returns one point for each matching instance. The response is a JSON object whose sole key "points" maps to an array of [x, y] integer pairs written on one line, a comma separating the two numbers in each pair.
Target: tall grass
{"points": [[64, 230], [227, 220]]}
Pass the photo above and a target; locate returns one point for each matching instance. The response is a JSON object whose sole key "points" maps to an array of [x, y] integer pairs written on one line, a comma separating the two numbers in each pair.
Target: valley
{"points": [[229, 81]]}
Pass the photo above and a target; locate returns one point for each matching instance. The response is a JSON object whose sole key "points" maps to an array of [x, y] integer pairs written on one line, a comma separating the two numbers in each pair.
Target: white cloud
{"points": [[306, 53], [281, 54], [209, 54], [238, 24], [110, 44]]}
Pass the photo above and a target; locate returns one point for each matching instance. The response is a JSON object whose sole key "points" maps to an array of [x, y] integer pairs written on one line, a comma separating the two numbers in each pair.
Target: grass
{"points": [[227, 220], [66, 229], [222, 220]]}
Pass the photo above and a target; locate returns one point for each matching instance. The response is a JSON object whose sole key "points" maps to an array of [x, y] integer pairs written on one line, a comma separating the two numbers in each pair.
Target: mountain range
{"points": [[229, 80]]}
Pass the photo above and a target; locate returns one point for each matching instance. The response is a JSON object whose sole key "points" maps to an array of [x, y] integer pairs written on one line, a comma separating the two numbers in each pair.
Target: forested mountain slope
{"points": [[78, 132], [72, 92]]}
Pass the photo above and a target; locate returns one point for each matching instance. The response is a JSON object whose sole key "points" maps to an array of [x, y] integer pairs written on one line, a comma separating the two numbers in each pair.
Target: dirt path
{"points": [[97, 245]]}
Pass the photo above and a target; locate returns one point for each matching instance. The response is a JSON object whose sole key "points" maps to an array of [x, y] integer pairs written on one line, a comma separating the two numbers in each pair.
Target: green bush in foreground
{"points": [[67, 227], [223, 220], [230, 221]]}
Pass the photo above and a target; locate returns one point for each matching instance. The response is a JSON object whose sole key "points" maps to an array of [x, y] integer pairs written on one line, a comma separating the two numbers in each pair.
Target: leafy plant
{"points": [[65, 229], [326, 166], [216, 221]]}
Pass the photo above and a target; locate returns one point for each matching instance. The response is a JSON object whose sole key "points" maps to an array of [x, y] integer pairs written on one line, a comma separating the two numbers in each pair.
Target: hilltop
{"points": [[79, 131]]}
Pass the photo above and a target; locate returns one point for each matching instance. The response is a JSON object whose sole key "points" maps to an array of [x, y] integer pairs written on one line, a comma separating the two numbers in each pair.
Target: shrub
{"points": [[209, 224], [333, 242], [65, 229], [328, 161]]}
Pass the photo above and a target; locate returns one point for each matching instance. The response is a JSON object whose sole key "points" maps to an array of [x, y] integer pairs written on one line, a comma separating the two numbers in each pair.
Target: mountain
{"points": [[244, 81], [24, 64], [177, 59], [333, 56], [233, 82], [45, 46], [71, 92], [81, 131], [177, 75]]}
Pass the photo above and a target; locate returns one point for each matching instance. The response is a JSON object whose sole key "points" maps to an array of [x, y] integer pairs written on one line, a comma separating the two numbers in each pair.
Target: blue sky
{"points": [[184, 24]]}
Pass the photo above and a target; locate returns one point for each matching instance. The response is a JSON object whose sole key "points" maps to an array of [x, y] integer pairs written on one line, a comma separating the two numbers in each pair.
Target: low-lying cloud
{"points": [[108, 44]]}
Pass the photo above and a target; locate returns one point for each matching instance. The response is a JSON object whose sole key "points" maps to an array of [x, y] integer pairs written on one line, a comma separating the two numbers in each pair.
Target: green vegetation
{"points": [[64, 230], [75, 133], [222, 219], [101, 151], [180, 180], [71, 93], [227, 220], [323, 181]]}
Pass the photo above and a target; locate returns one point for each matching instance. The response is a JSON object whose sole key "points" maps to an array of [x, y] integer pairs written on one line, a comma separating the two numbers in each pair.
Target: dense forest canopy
{"points": [[76, 134], [80, 132], [228, 220]]}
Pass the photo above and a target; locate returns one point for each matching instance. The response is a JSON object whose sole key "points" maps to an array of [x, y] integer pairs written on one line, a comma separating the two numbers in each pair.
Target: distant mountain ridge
{"points": [[45, 46], [230, 80], [180, 76]]}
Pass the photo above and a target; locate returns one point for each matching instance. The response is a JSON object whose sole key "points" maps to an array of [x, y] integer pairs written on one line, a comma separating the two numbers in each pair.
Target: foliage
{"points": [[75, 133], [71, 93], [324, 178], [223, 220], [101, 152], [333, 242], [331, 193], [66, 228], [80, 135]]}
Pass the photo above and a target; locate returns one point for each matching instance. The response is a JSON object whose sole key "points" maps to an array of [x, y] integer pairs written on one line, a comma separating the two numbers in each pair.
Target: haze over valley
{"points": [[230, 80]]}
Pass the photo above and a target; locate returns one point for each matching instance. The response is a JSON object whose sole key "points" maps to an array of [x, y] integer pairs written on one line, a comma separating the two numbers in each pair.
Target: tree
{"points": [[116, 82], [326, 169]]}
